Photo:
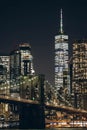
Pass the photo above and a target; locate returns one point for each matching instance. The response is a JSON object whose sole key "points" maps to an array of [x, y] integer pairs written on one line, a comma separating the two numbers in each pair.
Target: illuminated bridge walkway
{"points": [[32, 112]]}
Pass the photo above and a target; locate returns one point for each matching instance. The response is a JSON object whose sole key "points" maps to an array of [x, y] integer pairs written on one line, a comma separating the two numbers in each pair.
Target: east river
{"points": [[59, 129], [56, 129], [68, 129]]}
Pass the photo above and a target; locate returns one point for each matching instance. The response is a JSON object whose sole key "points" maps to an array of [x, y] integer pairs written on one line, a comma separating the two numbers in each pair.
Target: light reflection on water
{"points": [[55, 129], [58, 129], [63, 129], [66, 129]]}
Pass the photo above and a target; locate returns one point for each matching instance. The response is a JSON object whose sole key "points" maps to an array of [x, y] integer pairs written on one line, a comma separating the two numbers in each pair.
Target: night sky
{"points": [[37, 22]]}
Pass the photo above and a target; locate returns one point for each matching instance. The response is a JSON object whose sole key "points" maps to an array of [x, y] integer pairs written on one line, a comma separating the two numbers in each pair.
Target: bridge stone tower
{"points": [[32, 116]]}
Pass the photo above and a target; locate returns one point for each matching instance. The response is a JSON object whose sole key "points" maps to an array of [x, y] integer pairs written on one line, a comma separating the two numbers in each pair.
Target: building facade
{"points": [[79, 81], [5, 60], [21, 61], [62, 77], [3, 72], [15, 65]]}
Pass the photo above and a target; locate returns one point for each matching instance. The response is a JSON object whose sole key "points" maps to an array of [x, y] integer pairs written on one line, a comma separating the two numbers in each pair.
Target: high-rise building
{"points": [[21, 61], [26, 59], [3, 72], [62, 77], [15, 64], [79, 81], [5, 59]]}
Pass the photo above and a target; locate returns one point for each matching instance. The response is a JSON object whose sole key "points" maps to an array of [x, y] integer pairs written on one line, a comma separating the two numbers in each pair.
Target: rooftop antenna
{"points": [[61, 22]]}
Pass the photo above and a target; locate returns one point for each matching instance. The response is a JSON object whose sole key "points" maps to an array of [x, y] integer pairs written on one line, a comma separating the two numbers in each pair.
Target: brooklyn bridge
{"points": [[32, 103]]}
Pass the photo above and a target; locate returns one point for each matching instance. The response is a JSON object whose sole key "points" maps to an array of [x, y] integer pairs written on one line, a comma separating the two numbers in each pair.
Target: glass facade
{"points": [[61, 62], [79, 82], [6, 63], [15, 64]]}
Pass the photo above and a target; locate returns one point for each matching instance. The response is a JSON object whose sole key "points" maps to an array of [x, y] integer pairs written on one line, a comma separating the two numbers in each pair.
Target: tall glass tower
{"points": [[62, 78]]}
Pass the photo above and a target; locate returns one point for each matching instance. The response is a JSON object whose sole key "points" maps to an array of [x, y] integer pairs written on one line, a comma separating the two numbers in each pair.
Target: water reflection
{"points": [[60, 129], [67, 129]]}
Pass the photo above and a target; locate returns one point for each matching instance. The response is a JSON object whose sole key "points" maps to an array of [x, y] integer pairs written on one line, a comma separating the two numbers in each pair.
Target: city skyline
{"points": [[38, 23]]}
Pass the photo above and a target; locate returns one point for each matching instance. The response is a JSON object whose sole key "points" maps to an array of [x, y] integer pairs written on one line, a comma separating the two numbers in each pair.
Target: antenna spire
{"points": [[61, 22]]}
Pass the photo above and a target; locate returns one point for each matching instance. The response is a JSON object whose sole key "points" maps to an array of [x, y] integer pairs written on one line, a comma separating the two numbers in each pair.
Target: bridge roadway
{"points": [[8, 99], [69, 110], [15, 100]]}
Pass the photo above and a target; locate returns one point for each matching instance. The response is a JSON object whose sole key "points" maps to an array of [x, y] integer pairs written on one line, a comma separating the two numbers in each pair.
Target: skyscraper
{"points": [[6, 62], [62, 78], [21, 61], [79, 82], [15, 64], [26, 59], [3, 72]]}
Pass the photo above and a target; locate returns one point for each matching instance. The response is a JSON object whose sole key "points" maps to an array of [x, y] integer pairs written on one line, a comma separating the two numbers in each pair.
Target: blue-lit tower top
{"points": [[61, 58]]}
